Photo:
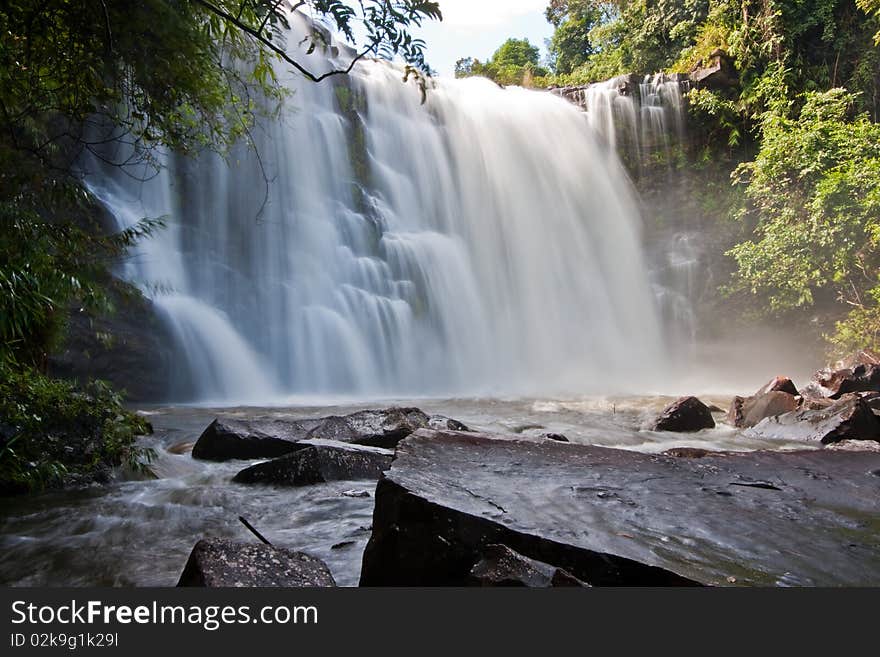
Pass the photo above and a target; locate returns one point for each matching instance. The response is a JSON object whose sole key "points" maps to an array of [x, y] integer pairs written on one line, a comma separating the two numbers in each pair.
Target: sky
{"points": [[475, 28]]}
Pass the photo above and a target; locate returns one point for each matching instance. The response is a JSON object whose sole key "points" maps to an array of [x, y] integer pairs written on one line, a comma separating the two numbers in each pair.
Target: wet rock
{"points": [[235, 439], [376, 428], [617, 517], [778, 384], [735, 412], [501, 566], [776, 397], [216, 562], [443, 423], [684, 415], [848, 418], [355, 493], [688, 452], [327, 461], [224, 440], [130, 348], [717, 72], [558, 437], [770, 404], [857, 373]]}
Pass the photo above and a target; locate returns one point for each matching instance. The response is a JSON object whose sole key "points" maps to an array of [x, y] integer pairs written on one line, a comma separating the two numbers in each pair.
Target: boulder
{"points": [[443, 423], [235, 439], [376, 428], [778, 384], [684, 415], [618, 517], [501, 566], [224, 440], [319, 463], [755, 409], [776, 397], [848, 418], [857, 373], [735, 412], [217, 562], [716, 72]]}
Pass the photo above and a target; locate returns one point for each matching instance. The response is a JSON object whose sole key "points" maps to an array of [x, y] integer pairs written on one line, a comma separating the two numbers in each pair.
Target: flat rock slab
{"points": [[615, 517], [222, 563], [322, 461]]}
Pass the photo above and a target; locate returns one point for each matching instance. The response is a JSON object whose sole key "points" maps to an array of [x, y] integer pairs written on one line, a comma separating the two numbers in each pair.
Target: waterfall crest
{"points": [[485, 242]]}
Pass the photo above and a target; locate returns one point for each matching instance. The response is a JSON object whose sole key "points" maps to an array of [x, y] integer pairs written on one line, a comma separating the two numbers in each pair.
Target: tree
{"points": [[573, 20], [514, 62], [516, 53], [814, 189]]}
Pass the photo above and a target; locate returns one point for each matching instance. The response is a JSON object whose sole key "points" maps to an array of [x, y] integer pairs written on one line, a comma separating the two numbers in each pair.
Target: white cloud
{"points": [[482, 13]]}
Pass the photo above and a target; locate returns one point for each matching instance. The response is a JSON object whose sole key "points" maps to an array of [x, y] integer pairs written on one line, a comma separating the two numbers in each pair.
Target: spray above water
{"points": [[484, 242]]}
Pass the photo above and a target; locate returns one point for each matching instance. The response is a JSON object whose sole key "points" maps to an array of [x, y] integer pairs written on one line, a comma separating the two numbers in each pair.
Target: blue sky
{"points": [[475, 28]]}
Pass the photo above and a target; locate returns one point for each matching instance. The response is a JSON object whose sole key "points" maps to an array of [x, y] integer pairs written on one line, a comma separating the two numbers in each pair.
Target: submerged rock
{"points": [[684, 415], [319, 463], [217, 562], [849, 418], [236, 439], [617, 517], [501, 566]]}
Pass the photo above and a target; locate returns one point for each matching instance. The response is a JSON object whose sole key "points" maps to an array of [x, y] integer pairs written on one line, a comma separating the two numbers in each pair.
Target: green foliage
{"points": [[45, 266], [871, 7], [814, 190], [515, 62], [570, 46], [52, 433]]}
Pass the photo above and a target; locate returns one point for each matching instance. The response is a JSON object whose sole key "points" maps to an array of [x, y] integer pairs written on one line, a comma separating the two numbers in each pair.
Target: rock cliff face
{"points": [[129, 348]]}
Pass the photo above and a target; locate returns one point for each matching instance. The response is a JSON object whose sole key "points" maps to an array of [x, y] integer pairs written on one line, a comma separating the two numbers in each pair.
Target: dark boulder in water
{"points": [[224, 440], [319, 463], [618, 517], [684, 415], [501, 566], [217, 562], [236, 439]]}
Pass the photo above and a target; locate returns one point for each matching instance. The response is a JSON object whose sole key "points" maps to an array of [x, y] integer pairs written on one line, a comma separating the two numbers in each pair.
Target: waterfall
{"points": [[484, 242], [635, 116]]}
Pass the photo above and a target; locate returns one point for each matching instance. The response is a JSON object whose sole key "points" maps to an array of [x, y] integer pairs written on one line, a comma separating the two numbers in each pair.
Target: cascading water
{"points": [[463, 246], [642, 120]]}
